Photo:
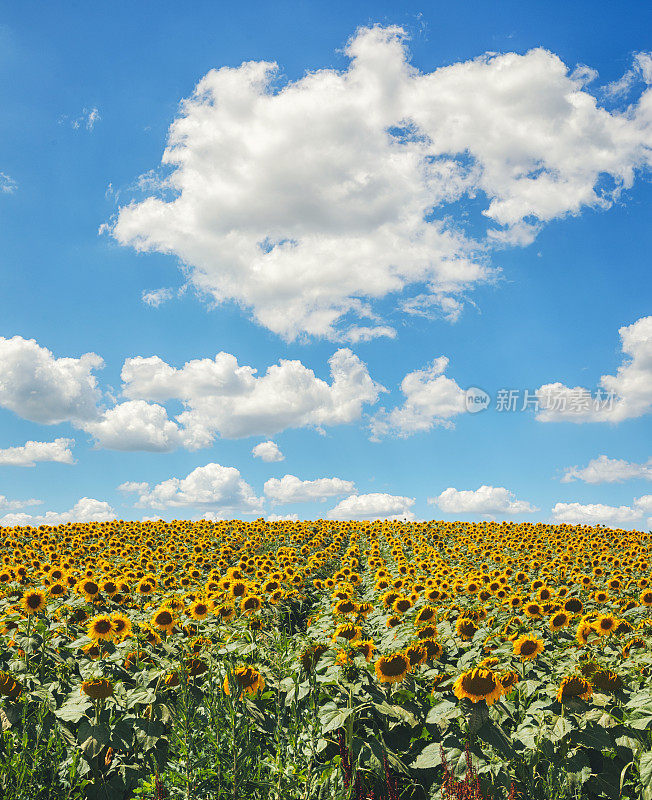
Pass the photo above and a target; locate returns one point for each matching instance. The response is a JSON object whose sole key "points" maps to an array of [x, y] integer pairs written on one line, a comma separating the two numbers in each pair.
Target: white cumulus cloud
{"points": [[213, 487], [87, 509], [430, 399], [608, 470], [42, 388], [222, 397], [625, 395], [28, 454], [488, 500], [290, 489], [267, 451], [306, 201], [136, 425], [375, 505]]}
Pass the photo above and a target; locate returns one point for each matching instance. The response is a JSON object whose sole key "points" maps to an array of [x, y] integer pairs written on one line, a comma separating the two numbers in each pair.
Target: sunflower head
{"points": [[33, 601], [163, 619], [392, 668], [605, 624], [97, 688], [574, 686], [347, 631], [9, 687], [606, 681], [527, 647], [478, 684], [465, 628], [247, 680], [100, 627]]}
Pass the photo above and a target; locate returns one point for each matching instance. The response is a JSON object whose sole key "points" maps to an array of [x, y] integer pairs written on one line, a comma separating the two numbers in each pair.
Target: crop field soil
{"points": [[333, 660]]}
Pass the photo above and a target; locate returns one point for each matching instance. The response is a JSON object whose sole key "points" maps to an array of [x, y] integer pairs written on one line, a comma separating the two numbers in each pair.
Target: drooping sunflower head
{"points": [[427, 614], [478, 684], [9, 687], [509, 680], [311, 655], [247, 680], [434, 650], [636, 642], [573, 606], [121, 625], [605, 680], [347, 631], [574, 686], [465, 628], [559, 620], [416, 654], [366, 648], [401, 605], [97, 688], [392, 668]]}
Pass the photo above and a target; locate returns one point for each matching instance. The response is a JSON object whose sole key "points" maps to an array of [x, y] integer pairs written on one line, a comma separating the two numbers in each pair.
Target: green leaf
{"points": [[332, 720], [645, 770], [429, 757], [74, 709]]}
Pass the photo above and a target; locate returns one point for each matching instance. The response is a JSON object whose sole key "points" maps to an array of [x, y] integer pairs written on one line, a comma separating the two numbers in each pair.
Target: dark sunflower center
{"points": [[102, 626], [393, 666], [527, 648], [164, 618], [479, 685], [34, 600]]}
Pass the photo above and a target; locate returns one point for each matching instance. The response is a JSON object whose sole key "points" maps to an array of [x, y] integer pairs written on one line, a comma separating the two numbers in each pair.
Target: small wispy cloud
{"points": [[7, 184], [85, 121], [157, 297]]}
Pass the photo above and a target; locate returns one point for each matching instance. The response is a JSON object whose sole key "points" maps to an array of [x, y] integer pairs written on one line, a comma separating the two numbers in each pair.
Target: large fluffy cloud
{"points": [[608, 470], [42, 388], [306, 202], [87, 509], [625, 395], [290, 489], [376, 505], [219, 489], [28, 454], [136, 425], [430, 399], [488, 500], [222, 397]]}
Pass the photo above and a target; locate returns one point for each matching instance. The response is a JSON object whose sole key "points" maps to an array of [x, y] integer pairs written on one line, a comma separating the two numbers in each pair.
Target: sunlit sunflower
{"points": [[392, 669], [199, 610], [225, 612], [366, 648], [605, 624], [509, 680], [88, 588], [33, 601], [250, 604], [427, 614], [434, 650], [100, 627], [163, 620], [558, 621], [646, 598], [527, 647], [401, 605], [573, 605], [121, 626], [416, 654], [478, 684], [532, 610], [347, 631], [574, 686], [247, 680]]}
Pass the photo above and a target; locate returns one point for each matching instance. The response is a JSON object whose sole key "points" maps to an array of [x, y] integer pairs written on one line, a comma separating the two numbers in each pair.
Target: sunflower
{"points": [[364, 609], [393, 621], [389, 597], [366, 648], [636, 642], [225, 612], [100, 627], [251, 603], [646, 598], [88, 588], [392, 668], [434, 650], [121, 626], [584, 630], [465, 628], [347, 631], [509, 680], [9, 687], [427, 614], [247, 681], [527, 647], [57, 589], [558, 621], [401, 605], [97, 688], [163, 620], [145, 587], [238, 589], [573, 606], [478, 684], [416, 654], [429, 632], [109, 588], [573, 686], [532, 610], [33, 601], [311, 655], [606, 681], [199, 610], [605, 624]]}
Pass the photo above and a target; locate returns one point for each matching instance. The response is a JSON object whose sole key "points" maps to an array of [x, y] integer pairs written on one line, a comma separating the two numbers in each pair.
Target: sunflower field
{"points": [[332, 660]]}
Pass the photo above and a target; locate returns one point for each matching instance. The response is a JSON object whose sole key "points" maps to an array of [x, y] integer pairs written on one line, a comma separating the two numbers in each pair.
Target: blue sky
{"points": [[487, 166]]}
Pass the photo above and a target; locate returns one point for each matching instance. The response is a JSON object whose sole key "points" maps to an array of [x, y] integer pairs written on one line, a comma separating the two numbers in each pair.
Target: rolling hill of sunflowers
{"points": [[325, 660]]}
